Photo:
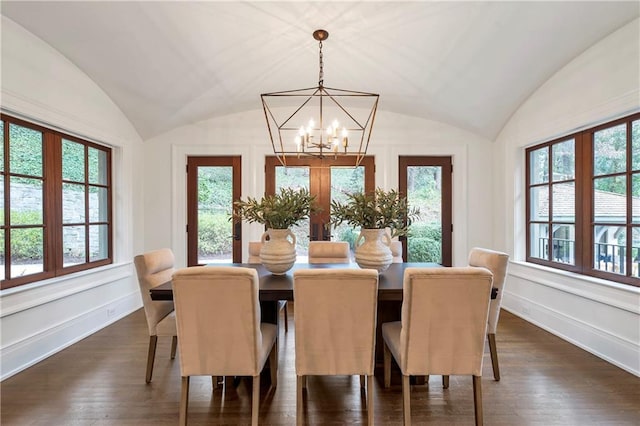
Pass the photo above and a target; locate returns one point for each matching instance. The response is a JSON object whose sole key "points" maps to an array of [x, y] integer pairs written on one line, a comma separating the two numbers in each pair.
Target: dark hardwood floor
{"points": [[100, 381]]}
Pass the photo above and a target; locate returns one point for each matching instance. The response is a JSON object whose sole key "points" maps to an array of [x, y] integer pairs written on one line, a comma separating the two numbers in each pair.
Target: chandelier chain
{"points": [[321, 74]]}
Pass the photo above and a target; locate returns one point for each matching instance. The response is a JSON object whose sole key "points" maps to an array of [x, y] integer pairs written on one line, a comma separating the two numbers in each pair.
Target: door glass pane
{"points": [[539, 166], [539, 240], [297, 178], [564, 161], [215, 231], [424, 191], [72, 161], [610, 248], [27, 251], [610, 199], [25, 151], [26, 198], [346, 181], [610, 150], [73, 245], [73, 203]]}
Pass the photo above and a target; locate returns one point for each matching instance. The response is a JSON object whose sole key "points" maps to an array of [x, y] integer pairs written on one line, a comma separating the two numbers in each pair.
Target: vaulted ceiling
{"points": [[468, 64]]}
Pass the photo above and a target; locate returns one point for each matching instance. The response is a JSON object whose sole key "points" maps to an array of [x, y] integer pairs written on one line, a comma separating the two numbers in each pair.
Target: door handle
{"points": [[237, 231], [326, 235]]}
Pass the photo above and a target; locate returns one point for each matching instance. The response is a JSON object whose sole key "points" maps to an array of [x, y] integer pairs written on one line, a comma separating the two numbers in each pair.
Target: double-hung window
{"points": [[55, 202], [583, 202]]}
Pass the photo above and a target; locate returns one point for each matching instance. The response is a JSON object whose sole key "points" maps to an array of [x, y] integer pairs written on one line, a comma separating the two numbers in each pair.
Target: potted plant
{"points": [[277, 213], [374, 213]]}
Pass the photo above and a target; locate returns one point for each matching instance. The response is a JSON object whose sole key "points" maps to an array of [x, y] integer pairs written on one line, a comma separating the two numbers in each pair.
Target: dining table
{"points": [[274, 288]]}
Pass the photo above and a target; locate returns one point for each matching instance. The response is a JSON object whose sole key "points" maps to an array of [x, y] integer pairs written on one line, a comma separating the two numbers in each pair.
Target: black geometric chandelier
{"points": [[323, 122]]}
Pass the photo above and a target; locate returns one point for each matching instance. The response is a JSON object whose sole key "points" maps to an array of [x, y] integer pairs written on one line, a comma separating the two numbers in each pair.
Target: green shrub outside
{"points": [[214, 232], [30, 243], [424, 243]]}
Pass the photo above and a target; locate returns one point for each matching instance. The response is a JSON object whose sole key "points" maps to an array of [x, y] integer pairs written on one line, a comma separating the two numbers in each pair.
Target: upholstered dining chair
{"points": [[227, 340], [335, 327], [254, 257], [497, 263], [154, 268], [442, 331], [329, 252]]}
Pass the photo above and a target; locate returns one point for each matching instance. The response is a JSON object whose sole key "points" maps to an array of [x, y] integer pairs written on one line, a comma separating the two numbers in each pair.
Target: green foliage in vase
{"points": [[381, 209], [279, 211]]}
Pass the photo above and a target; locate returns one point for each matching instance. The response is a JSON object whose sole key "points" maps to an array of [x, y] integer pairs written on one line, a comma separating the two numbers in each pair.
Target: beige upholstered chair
{"points": [[219, 329], [335, 338], [496, 262], [254, 257], [329, 252], [396, 251], [444, 322], [154, 268]]}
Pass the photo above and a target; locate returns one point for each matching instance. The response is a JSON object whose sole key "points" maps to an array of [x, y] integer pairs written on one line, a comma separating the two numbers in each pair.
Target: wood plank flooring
{"points": [[100, 381]]}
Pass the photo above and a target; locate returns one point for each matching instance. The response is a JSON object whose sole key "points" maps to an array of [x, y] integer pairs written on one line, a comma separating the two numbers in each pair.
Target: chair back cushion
{"points": [[254, 252], [497, 263], [154, 268], [444, 320], [329, 252], [218, 318], [335, 321]]}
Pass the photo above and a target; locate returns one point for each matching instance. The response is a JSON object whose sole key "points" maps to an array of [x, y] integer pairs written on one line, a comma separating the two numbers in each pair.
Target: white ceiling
{"points": [[469, 64]]}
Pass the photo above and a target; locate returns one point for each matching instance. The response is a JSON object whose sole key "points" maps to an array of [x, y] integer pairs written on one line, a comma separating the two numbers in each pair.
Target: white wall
{"points": [[246, 134], [39, 319], [599, 316]]}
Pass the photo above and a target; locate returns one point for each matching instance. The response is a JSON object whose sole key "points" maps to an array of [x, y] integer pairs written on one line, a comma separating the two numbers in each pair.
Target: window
{"points": [[583, 202], [55, 195]]}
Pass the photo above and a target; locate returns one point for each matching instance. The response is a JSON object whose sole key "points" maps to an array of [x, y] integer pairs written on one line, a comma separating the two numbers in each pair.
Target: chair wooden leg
{"points": [[362, 381], [445, 381], [184, 401], [214, 382], [370, 399], [300, 384], [174, 346], [406, 400], [286, 317], [477, 399], [255, 401], [494, 356], [387, 366], [273, 365], [153, 341]]}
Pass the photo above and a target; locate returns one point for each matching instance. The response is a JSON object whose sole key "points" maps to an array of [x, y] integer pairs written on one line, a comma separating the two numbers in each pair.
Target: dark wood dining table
{"points": [[274, 288]]}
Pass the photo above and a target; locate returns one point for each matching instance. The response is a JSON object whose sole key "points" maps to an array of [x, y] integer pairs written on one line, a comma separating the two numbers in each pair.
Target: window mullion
{"points": [[53, 201]]}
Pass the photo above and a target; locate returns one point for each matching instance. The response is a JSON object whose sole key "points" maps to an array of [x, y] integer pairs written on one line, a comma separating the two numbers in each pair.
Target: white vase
{"points": [[278, 253], [374, 252]]}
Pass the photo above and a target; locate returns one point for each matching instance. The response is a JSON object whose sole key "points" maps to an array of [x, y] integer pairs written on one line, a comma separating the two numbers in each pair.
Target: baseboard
{"points": [[614, 349], [35, 348]]}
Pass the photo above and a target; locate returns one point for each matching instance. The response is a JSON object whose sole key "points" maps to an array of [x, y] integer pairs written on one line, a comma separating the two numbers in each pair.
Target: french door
{"points": [[327, 179], [427, 183], [213, 183]]}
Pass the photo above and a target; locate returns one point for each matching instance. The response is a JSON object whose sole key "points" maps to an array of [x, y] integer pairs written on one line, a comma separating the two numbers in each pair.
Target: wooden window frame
{"points": [[585, 203], [53, 259]]}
